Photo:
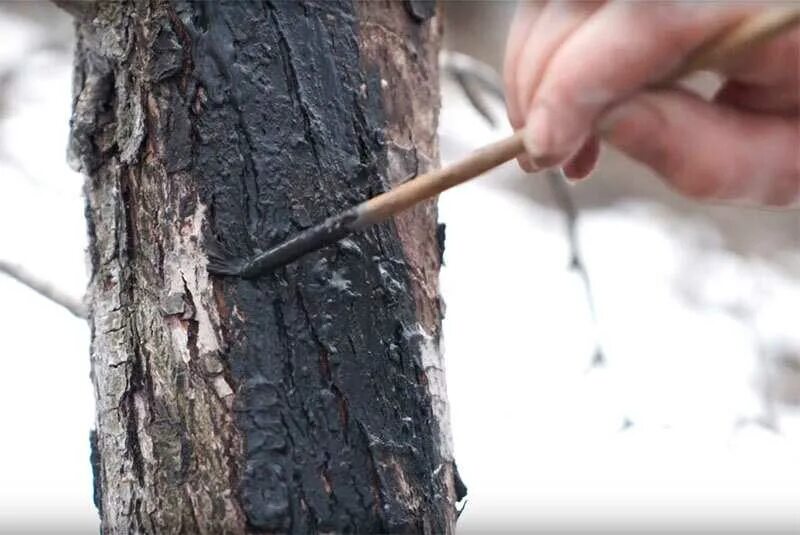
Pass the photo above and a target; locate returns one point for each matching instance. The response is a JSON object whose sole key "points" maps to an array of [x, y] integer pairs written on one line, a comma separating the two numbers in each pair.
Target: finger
{"points": [[623, 47], [781, 98], [556, 22], [521, 24], [709, 151], [766, 79], [552, 25], [584, 161], [776, 62]]}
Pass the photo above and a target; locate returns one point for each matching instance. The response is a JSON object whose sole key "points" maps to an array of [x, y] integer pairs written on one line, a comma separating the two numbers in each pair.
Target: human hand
{"points": [[576, 71]]}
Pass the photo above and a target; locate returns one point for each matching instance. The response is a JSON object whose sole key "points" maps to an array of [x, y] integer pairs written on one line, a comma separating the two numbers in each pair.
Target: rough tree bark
{"points": [[311, 400]]}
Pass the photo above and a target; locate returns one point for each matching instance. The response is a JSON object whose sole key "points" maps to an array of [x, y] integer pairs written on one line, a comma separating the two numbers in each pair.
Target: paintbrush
{"points": [[742, 37]]}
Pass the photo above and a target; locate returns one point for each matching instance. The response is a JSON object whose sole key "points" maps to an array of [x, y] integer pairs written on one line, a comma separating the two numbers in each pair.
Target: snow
{"points": [[666, 432]]}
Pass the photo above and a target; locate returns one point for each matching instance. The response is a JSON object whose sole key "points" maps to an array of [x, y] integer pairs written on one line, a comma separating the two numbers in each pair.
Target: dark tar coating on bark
{"points": [[441, 233], [324, 353]]}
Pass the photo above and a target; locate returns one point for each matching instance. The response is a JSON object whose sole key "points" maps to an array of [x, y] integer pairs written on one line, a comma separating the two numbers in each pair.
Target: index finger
{"points": [[524, 18], [621, 49]]}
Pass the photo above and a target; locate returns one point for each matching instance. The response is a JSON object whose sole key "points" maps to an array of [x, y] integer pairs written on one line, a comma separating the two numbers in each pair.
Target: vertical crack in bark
{"points": [[186, 44], [137, 377], [325, 365], [285, 340], [130, 412], [192, 325], [375, 484]]}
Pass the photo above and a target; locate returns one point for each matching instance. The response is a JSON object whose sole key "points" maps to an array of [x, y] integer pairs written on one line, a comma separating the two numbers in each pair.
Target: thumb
{"points": [[709, 151]]}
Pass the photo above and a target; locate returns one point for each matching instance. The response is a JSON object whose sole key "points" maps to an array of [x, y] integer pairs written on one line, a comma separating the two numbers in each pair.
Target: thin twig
{"points": [[469, 73], [570, 210], [44, 288]]}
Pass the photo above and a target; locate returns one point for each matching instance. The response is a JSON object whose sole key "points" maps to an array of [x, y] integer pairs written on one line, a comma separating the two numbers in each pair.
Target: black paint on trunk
{"points": [[326, 351]]}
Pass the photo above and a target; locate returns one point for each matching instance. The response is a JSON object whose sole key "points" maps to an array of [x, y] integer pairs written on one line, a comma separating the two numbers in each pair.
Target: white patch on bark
{"points": [[224, 390], [142, 415], [338, 281], [185, 269], [433, 364]]}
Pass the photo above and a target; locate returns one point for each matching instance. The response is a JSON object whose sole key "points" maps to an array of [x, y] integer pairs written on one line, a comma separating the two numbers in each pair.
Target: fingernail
{"points": [[537, 136], [566, 178], [550, 135]]}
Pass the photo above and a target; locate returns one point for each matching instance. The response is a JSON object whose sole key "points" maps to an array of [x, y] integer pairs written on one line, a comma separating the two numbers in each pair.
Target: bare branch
{"points": [[474, 77], [566, 203], [44, 288]]}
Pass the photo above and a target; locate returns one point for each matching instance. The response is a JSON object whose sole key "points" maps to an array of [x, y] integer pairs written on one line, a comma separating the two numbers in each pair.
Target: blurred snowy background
{"points": [[687, 418]]}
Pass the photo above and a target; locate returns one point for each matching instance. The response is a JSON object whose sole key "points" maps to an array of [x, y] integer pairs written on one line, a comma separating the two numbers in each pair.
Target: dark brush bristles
{"points": [[226, 266], [221, 261], [329, 231]]}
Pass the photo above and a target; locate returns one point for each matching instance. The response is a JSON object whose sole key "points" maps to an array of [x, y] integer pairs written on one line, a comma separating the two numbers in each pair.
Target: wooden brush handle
{"points": [[742, 37], [715, 53]]}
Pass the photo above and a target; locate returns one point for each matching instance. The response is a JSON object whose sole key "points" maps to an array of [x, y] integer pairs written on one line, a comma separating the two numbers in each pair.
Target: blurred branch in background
{"points": [[566, 203], [44, 288], [474, 77], [478, 80]]}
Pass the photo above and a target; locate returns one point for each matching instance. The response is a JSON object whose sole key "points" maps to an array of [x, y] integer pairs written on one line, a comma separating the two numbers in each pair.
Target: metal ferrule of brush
{"points": [[329, 231]]}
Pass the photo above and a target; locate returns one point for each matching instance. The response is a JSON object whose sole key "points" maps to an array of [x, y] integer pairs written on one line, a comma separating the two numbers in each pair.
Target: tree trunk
{"points": [[312, 399]]}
